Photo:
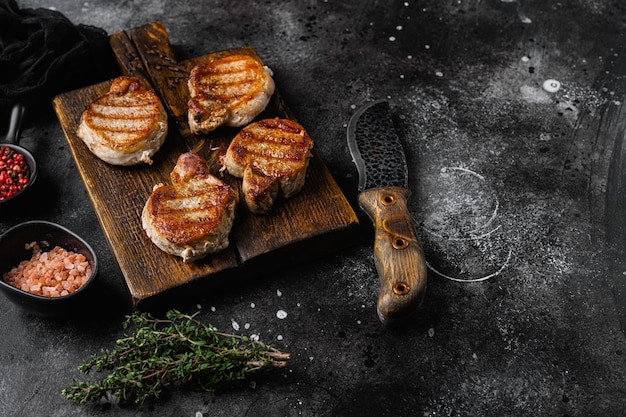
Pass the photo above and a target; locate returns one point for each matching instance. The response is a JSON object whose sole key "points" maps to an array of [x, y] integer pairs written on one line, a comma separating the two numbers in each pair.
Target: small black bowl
{"points": [[12, 141], [47, 235]]}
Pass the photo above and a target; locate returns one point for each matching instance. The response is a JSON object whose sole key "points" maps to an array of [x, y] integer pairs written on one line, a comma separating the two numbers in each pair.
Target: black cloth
{"points": [[43, 54]]}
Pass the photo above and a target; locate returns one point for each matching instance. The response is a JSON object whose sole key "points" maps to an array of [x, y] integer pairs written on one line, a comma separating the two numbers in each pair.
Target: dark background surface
{"points": [[517, 194]]}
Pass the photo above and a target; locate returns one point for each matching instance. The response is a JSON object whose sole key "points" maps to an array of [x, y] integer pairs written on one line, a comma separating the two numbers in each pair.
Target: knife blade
{"points": [[383, 193]]}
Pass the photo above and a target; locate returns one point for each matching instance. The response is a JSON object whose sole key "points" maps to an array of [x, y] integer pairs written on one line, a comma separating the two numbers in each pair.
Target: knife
{"points": [[383, 192]]}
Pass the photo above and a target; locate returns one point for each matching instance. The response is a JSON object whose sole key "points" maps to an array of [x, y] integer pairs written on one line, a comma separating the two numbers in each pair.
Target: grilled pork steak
{"points": [[271, 156], [126, 126], [229, 91], [192, 217]]}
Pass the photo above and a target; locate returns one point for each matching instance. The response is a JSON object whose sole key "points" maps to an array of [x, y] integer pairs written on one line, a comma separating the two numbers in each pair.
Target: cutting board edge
{"points": [[254, 269]]}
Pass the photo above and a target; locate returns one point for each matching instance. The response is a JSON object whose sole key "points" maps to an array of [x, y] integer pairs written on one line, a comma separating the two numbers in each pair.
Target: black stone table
{"points": [[512, 115]]}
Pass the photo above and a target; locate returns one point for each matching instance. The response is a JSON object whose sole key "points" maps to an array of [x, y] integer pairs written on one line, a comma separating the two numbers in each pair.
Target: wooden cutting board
{"points": [[319, 220]]}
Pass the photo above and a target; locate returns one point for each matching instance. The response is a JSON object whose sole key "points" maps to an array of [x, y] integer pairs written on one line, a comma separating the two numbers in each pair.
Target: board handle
{"points": [[127, 56]]}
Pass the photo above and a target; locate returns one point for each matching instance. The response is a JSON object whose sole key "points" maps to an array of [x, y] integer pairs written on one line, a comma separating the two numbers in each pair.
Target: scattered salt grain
{"points": [[281, 314], [279, 293], [392, 39], [551, 86], [235, 324], [279, 337], [431, 332], [246, 326], [252, 305]]}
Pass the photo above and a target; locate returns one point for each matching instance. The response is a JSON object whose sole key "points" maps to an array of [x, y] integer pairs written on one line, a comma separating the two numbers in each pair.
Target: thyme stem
{"points": [[176, 350]]}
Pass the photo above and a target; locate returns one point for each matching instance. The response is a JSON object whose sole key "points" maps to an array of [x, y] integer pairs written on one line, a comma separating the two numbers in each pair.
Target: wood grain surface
{"points": [[317, 221]]}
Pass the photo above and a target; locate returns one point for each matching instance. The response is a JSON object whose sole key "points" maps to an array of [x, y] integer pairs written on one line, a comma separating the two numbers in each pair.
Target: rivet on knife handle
{"points": [[399, 256]]}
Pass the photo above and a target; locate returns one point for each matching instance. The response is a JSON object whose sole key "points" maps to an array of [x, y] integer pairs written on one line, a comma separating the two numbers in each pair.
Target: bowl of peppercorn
{"points": [[18, 169]]}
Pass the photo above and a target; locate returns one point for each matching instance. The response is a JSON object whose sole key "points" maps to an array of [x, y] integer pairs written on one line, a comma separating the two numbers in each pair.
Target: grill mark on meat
{"points": [[187, 215], [133, 98], [277, 147], [229, 91], [120, 137], [136, 111], [226, 80], [193, 215], [126, 125], [271, 156], [228, 71], [185, 229], [224, 93], [120, 124], [272, 146]]}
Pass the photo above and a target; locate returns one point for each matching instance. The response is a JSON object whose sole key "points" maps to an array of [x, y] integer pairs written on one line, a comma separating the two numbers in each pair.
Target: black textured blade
{"points": [[375, 147]]}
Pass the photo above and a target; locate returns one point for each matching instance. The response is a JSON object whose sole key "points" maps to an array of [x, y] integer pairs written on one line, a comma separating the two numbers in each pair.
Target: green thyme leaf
{"points": [[163, 352]]}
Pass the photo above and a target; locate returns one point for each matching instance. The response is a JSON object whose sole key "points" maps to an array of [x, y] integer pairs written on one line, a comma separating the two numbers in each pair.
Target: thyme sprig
{"points": [[164, 352]]}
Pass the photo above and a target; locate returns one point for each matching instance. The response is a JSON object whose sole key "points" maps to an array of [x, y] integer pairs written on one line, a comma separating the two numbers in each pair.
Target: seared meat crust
{"points": [[271, 156], [125, 126], [229, 91], [192, 217]]}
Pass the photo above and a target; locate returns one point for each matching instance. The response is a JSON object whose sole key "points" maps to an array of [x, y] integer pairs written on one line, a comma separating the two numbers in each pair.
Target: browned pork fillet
{"points": [[192, 217], [271, 156], [229, 91], [125, 126]]}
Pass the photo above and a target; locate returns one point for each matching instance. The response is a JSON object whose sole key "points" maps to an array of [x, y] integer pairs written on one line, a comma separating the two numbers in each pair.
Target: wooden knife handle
{"points": [[398, 254]]}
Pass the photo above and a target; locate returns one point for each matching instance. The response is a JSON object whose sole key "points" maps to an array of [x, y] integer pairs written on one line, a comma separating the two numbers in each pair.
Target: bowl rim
{"points": [[94, 266]]}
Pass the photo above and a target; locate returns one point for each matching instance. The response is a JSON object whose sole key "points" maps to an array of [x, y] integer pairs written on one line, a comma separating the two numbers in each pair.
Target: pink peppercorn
{"points": [[14, 172]]}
